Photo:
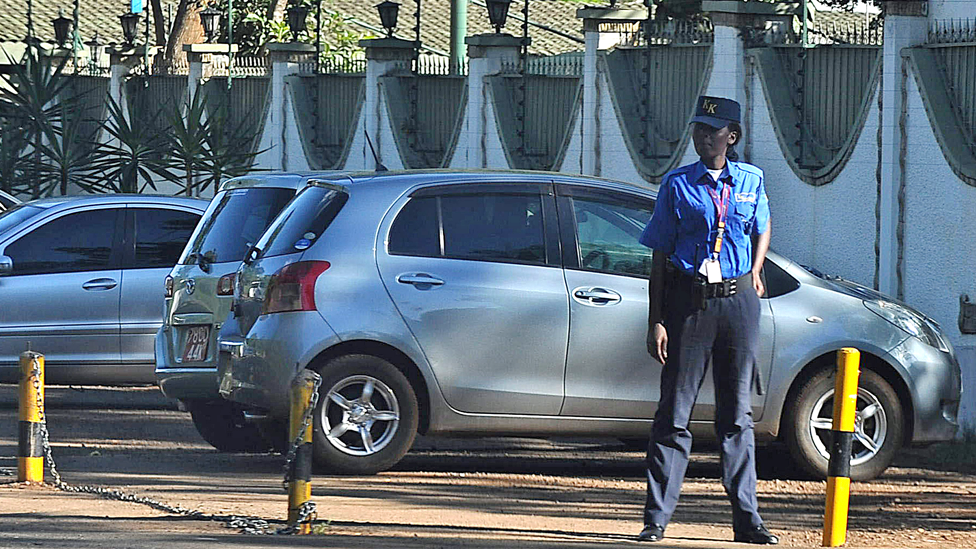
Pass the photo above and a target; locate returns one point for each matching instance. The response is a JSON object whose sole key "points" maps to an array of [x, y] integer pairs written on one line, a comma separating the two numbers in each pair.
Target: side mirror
{"points": [[6, 265]]}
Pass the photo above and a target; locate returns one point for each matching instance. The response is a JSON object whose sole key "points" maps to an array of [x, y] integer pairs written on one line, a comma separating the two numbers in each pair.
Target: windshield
{"points": [[302, 222], [233, 223], [17, 215]]}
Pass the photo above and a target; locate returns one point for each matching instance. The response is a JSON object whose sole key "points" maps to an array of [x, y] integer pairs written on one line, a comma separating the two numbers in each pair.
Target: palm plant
{"points": [[66, 151], [134, 154], [33, 91], [229, 150], [186, 140]]}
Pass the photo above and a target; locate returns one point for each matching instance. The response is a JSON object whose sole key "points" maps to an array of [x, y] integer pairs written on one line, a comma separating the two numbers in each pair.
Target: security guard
{"points": [[710, 234]]}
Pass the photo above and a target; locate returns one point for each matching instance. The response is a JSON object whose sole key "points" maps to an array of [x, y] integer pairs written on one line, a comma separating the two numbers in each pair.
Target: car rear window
{"points": [[234, 222], [302, 221], [17, 215]]}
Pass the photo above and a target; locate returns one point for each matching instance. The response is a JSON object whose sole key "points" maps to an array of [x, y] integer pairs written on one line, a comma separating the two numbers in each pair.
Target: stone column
{"points": [[731, 18], [486, 54], [906, 25], [603, 29], [122, 60], [384, 56], [200, 57], [281, 141]]}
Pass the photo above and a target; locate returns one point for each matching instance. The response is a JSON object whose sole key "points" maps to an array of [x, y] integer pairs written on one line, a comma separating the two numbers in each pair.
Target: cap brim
{"points": [[711, 121]]}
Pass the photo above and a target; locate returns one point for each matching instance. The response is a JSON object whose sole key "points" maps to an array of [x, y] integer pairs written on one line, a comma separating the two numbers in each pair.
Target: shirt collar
{"points": [[730, 173]]}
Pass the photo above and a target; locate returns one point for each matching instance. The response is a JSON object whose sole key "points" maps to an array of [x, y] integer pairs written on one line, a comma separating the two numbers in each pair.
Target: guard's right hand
{"points": [[657, 342]]}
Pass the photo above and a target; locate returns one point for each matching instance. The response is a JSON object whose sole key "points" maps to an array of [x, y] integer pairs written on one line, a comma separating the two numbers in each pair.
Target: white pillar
{"points": [[486, 54], [603, 28], [900, 31], [280, 141], [385, 56]]}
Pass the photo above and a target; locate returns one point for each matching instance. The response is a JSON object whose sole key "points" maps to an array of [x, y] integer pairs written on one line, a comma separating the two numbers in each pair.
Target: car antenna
{"points": [[379, 165]]}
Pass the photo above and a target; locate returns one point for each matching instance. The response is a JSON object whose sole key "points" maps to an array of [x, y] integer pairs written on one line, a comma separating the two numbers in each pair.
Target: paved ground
{"points": [[477, 493]]}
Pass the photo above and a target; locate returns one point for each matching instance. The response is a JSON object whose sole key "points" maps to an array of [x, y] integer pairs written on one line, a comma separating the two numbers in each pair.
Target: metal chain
{"points": [[300, 437], [246, 524]]}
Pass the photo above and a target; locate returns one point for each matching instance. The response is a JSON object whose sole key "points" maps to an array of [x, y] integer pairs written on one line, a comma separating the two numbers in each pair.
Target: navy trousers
{"points": [[726, 332]]}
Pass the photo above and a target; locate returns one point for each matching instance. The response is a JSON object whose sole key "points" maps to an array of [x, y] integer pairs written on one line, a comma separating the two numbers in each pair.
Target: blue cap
{"points": [[717, 112]]}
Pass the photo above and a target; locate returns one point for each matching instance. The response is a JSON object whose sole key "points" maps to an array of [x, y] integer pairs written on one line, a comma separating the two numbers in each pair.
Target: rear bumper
{"points": [[184, 382], [257, 370]]}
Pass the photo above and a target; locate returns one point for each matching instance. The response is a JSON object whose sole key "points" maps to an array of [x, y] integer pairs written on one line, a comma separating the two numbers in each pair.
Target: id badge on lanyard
{"points": [[711, 267]]}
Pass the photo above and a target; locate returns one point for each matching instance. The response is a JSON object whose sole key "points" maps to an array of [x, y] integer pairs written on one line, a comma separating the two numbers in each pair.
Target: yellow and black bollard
{"points": [[842, 433], [303, 390], [30, 448]]}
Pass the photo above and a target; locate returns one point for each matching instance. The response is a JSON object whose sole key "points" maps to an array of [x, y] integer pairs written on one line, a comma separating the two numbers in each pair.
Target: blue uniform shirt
{"points": [[684, 224]]}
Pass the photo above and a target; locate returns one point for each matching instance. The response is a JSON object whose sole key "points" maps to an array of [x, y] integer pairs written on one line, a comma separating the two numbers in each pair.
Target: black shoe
{"points": [[651, 532], [758, 535]]}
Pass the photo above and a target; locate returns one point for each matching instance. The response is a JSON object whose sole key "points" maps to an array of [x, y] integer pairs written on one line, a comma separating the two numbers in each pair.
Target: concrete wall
{"points": [[835, 227]]}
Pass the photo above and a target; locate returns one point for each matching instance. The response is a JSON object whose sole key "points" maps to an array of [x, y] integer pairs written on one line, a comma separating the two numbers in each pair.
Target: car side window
{"points": [[778, 282], [161, 235], [490, 227], [607, 234], [75, 242]]}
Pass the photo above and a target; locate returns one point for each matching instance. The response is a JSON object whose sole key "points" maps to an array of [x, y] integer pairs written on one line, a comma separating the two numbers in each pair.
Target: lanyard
{"points": [[721, 207]]}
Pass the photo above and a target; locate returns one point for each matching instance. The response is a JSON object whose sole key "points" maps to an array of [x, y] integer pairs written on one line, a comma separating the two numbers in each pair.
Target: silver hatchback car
{"points": [[199, 292], [515, 303]]}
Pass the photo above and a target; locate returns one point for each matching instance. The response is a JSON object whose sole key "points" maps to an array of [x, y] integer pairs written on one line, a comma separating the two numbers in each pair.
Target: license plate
{"points": [[197, 342]]}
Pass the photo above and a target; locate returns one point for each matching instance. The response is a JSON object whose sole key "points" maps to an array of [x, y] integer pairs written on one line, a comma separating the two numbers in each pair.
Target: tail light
{"points": [[292, 288], [225, 285], [168, 285]]}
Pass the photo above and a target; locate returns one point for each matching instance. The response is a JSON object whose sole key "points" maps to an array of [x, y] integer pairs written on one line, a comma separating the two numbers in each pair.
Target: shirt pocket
{"points": [[691, 216], [742, 216]]}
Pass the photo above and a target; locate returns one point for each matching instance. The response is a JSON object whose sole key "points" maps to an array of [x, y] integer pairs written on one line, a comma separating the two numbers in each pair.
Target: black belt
{"points": [[701, 290]]}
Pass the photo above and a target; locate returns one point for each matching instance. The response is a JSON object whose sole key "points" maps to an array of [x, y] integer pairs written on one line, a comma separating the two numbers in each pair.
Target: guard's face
{"points": [[712, 142]]}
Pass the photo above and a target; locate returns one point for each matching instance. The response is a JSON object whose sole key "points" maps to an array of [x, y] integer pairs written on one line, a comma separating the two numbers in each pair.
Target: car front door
{"points": [[476, 277], [609, 372], [62, 297], [155, 237]]}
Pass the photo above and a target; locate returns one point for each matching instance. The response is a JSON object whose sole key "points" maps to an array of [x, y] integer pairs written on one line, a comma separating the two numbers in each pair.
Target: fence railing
{"points": [[244, 65], [953, 31], [567, 64]]}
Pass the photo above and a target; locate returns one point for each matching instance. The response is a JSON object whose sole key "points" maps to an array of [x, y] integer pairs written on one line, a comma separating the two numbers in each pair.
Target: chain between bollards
{"points": [[36, 449], [842, 437]]}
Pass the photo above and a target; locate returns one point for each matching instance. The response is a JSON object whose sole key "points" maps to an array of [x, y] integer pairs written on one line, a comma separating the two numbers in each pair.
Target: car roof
{"points": [[409, 178], [119, 198]]}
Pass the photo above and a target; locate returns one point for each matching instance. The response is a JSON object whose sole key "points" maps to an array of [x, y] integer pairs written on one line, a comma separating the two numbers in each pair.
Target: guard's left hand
{"points": [[757, 284]]}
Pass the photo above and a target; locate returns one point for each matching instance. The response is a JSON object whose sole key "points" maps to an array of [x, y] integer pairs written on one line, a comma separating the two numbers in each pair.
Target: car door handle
{"points": [[419, 279], [599, 296], [100, 284]]}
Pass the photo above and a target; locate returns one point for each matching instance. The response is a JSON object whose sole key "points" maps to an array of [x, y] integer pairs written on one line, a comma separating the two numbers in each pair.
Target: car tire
{"points": [[877, 435], [222, 424], [363, 397]]}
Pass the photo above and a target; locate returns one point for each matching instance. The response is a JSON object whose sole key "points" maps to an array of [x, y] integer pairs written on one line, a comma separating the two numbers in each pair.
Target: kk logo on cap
{"points": [[717, 112]]}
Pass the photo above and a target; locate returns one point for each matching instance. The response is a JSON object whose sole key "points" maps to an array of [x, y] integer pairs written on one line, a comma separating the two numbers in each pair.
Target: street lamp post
{"points": [[130, 25]]}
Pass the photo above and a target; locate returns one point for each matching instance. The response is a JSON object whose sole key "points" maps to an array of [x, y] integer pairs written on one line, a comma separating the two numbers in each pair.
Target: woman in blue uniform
{"points": [[710, 234]]}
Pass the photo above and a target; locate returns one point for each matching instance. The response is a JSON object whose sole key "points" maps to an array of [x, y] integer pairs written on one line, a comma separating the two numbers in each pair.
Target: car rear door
{"points": [[155, 237], [62, 297], [474, 271]]}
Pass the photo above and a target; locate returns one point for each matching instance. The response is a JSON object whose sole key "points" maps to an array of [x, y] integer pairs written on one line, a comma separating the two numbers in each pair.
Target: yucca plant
{"points": [[33, 92], [135, 154], [186, 140], [229, 151]]}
